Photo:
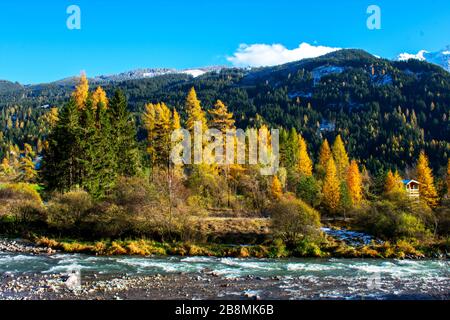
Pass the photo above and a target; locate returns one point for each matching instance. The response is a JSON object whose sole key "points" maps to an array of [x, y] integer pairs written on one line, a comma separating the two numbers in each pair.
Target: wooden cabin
{"points": [[412, 188]]}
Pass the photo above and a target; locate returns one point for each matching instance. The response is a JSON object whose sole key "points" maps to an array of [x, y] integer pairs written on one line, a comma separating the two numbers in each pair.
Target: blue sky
{"points": [[116, 36]]}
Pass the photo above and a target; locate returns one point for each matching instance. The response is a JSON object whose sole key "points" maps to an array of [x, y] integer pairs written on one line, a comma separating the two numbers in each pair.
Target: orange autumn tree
{"points": [[425, 177], [354, 183]]}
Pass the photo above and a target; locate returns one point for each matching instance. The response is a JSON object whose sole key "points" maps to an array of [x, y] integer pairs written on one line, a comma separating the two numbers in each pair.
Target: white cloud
{"points": [[257, 55], [407, 56]]}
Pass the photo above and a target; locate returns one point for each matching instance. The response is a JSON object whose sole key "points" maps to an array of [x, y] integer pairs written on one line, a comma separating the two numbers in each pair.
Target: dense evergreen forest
{"points": [[385, 111]]}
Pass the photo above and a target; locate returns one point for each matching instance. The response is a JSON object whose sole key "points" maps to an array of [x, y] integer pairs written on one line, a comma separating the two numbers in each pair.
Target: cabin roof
{"points": [[408, 181]]}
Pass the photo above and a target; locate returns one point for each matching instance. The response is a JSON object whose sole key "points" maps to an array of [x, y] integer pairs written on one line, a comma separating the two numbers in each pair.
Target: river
{"points": [[123, 277]]}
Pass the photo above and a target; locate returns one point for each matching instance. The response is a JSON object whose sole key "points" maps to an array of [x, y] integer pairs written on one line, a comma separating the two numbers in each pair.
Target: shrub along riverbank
{"points": [[132, 221], [270, 249]]}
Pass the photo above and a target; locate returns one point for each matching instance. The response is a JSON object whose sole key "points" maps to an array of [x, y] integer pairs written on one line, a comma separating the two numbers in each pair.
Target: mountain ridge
{"points": [[440, 58], [387, 111]]}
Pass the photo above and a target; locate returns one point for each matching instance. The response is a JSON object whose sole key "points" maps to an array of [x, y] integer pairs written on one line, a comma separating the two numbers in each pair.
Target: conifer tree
{"points": [[5, 168], [222, 120], [99, 99], [27, 168], [340, 157], [51, 117], [276, 189], [97, 161], [81, 93], [149, 118], [354, 183], [284, 140], [304, 165], [425, 177], [176, 123], [61, 168], [162, 131], [124, 136], [448, 177], [393, 183], [331, 188], [324, 154], [292, 149], [194, 111]]}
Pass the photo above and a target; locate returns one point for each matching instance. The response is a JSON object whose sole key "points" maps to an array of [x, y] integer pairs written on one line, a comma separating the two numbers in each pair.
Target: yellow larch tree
{"points": [[276, 189], [354, 183], [425, 177], [340, 157], [304, 165], [149, 118], [331, 187], [194, 111], [81, 92], [51, 117], [99, 98], [393, 183], [221, 119], [5, 168], [324, 154], [162, 133], [176, 122]]}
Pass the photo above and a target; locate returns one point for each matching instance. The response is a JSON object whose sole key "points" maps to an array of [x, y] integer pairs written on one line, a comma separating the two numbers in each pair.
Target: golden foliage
{"points": [[393, 183], [425, 177], [99, 98], [331, 187], [81, 92], [340, 157], [304, 165], [221, 119], [276, 189], [194, 111], [325, 154], [354, 183]]}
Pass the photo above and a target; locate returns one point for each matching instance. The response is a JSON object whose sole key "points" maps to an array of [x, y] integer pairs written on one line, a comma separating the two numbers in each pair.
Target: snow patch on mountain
{"points": [[322, 71], [194, 72]]}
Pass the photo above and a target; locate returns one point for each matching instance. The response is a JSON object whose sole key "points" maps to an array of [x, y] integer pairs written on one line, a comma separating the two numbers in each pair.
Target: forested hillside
{"points": [[386, 112]]}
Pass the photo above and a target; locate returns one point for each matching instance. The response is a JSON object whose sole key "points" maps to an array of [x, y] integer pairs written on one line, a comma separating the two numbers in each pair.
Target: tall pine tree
{"points": [[124, 136]]}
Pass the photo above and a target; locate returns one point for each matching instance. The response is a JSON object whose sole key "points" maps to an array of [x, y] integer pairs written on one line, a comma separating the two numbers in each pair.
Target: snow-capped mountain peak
{"points": [[440, 58], [407, 56], [194, 72]]}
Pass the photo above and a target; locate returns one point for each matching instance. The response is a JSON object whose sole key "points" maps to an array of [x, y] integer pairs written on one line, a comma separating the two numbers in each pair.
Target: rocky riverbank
{"points": [[206, 285], [23, 246], [123, 287]]}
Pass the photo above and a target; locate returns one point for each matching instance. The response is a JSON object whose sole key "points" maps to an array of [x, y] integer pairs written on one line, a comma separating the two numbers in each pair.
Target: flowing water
{"points": [[296, 278]]}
